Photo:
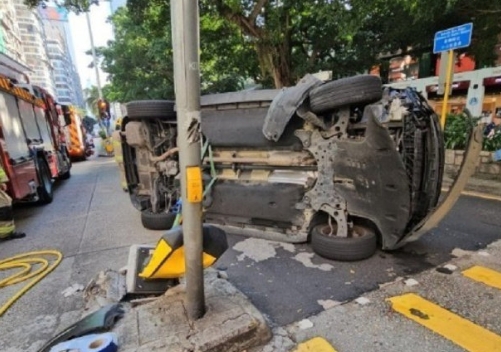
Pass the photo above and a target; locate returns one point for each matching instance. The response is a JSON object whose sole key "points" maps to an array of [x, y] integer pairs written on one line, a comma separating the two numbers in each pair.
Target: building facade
{"points": [[33, 41], [62, 55], [10, 37]]}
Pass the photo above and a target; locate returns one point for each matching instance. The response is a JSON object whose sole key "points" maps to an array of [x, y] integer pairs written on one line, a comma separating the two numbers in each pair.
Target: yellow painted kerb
{"points": [[462, 332], [316, 344], [484, 275]]}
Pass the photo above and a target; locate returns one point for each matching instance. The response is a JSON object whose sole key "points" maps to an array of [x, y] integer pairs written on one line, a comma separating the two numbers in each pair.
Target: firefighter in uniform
{"points": [[117, 150], [7, 226]]}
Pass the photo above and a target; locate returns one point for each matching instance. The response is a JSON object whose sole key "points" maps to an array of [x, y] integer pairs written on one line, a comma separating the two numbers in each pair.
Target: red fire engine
{"points": [[32, 146]]}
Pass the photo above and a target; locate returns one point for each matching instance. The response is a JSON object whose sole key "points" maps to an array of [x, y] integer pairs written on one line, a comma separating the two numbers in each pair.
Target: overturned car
{"points": [[344, 164]]}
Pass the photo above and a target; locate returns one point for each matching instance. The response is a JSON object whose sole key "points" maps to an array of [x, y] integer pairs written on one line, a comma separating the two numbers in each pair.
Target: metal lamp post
{"points": [[185, 42]]}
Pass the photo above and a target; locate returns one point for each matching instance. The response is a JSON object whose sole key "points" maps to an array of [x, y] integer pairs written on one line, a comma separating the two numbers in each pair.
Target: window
{"points": [[12, 128], [44, 128], [28, 118]]}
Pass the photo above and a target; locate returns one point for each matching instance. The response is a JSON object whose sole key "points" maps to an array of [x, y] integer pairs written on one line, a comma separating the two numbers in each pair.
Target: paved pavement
{"points": [[93, 223]]}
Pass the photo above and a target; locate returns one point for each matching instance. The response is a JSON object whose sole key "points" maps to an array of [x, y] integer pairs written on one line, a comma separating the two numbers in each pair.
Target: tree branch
{"points": [[257, 8]]}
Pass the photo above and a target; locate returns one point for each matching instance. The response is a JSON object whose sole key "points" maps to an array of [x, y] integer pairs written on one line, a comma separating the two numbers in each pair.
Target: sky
{"points": [[102, 32]]}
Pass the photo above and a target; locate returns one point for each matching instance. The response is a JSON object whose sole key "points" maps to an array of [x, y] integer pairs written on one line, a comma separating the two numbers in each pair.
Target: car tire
{"points": [[65, 175], [351, 248], [363, 89], [157, 221], [45, 190], [149, 109]]}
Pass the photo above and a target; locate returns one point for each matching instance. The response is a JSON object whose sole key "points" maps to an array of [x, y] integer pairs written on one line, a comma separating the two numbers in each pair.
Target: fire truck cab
{"points": [[32, 147]]}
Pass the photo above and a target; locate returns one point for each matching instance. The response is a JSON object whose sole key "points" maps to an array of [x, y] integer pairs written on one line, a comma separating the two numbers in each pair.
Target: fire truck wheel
{"points": [[345, 91], [45, 190], [157, 221], [65, 175], [146, 109]]}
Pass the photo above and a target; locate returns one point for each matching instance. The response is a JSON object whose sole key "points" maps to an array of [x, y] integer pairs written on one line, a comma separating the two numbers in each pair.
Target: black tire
{"points": [[65, 175], [157, 221], [146, 109], [363, 89], [349, 248], [45, 190]]}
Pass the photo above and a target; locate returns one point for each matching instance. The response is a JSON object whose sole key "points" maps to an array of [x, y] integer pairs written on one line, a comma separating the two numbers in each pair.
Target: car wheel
{"points": [[157, 221], [146, 109], [65, 175], [361, 243], [363, 89], [45, 190]]}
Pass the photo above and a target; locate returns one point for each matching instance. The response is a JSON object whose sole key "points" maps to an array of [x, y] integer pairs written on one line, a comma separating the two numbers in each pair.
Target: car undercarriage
{"points": [[344, 164]]}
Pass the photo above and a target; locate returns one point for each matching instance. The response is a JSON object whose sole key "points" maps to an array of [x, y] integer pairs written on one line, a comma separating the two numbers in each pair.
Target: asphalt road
{"points": [[93, 223], [287, 291]]}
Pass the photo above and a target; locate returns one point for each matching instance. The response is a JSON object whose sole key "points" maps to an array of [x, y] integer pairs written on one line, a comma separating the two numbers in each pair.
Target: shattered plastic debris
{"points": [[362, 301], [70, 291], [305, 324], [328, 303], [450, 267], [411, 282]]}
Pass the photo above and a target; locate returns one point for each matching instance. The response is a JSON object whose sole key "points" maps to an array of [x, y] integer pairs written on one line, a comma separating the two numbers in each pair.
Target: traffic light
{"points": [[103, 107]]}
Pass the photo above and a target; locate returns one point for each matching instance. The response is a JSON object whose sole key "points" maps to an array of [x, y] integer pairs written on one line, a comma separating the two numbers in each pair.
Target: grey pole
{"points": [[185, 42], [94, 59]]}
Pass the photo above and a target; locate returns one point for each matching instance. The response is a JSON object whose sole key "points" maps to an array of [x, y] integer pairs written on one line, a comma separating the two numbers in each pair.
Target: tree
{"points": [[276, 42], [430, 16]]}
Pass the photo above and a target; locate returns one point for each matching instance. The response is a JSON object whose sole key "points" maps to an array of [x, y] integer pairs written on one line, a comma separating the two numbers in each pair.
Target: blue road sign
{"points": [[453, 38]]}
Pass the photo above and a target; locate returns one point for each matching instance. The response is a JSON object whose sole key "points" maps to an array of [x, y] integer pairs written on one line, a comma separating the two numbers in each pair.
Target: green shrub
{"points": [[457, 130]]}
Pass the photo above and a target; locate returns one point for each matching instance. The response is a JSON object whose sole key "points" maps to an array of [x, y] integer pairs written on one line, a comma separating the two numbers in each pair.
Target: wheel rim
{"points": [[355, 231]]}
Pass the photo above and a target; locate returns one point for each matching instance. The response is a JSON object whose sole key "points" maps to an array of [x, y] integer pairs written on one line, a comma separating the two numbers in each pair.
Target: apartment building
{"points": [[62, 55], [10, 37], [33, 41]]}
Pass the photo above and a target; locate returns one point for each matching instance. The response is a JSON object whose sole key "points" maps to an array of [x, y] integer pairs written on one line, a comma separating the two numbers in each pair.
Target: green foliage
{"points": [[429, 16], [275, 42], [457, 131]]}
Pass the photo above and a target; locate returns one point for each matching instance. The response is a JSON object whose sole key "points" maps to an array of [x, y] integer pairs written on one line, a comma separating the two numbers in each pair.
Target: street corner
{"points": [[231, 322]]}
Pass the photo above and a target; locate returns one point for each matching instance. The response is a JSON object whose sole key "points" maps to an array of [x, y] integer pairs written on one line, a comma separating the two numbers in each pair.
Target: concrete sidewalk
{"points": [[482, 186]]}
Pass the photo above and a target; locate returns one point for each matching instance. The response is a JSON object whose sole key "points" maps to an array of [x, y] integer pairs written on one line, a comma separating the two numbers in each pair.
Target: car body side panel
{"points": [[258, 203]]}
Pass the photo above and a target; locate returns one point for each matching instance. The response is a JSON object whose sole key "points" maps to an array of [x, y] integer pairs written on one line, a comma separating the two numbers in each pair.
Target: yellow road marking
{"points": [[484, 275], [462, 332], [316, 344]]}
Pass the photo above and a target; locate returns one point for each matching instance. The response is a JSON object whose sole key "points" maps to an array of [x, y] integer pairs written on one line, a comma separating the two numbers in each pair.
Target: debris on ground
{"points": [[483, 253], [106, 288], [451, 267], [101, 320], [106, 342], [362, 301], [328, 303], [411, 282], [305, 324], [70, 291]]}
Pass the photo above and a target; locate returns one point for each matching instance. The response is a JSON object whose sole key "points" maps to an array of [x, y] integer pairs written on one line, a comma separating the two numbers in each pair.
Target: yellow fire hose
{"points": [[26, 261]]}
